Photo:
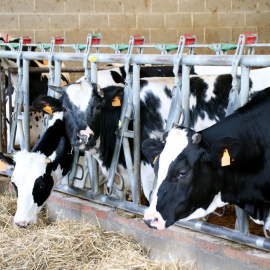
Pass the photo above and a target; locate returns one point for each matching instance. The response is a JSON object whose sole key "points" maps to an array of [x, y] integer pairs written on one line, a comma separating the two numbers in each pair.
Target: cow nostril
{"points": [[82, 138]]}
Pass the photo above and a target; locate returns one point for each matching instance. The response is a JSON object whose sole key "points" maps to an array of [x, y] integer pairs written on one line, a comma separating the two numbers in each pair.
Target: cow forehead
{"points": [[176, 142], [80, 94], [29, 166]]}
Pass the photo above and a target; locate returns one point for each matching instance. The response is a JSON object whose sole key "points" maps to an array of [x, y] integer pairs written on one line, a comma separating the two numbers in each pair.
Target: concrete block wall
{"points": [[158, 20]]}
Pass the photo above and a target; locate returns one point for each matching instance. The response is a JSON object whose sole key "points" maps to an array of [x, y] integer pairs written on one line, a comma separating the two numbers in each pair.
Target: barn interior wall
{"points": [[212, 21]]}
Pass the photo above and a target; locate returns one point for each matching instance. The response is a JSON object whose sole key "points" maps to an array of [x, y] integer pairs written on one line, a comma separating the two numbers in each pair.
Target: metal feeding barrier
{"points": [[179, 110]]}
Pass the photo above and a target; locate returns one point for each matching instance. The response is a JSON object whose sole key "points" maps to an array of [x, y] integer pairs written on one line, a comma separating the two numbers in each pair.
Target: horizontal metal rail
{"points": [[222, 232], [154, 59]]}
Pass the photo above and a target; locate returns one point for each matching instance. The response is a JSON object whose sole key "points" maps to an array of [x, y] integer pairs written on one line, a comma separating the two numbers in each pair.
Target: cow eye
{"points": [[182, 174]]}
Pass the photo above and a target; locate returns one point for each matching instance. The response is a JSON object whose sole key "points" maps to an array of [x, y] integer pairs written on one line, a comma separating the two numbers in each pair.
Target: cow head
{"points": [[33, 181], [88, 112], [189, 180]]}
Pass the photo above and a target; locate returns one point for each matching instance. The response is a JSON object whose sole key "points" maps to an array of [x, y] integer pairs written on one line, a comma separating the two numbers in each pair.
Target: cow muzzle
{"points": [[154, 220], [82, 139], [24, 224]]}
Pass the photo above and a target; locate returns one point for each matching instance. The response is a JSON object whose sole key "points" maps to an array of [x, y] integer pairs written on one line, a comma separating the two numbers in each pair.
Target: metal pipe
{"points": [[57, 78], [26, 117], [185, 94], [155, 59], [222, 232], [243, 95], [1, 108], [137, 134], [92, 170]]}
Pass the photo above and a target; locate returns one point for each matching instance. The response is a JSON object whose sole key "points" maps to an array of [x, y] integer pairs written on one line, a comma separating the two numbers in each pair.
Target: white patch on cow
{"points": [[203, 123], [257, 221], [87, 132], [29, 166], [214, 70], [80, 94], [200, 212], [176, 142], [56, 116], [192, 102]]}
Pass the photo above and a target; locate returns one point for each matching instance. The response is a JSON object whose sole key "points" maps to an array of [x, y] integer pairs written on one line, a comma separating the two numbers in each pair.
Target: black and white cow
{"points": [[227, 163], [92, 114], [35, 173]]}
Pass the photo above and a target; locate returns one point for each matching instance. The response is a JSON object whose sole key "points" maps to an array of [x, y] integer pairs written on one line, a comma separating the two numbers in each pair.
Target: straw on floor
{"points": [[67, 244]]}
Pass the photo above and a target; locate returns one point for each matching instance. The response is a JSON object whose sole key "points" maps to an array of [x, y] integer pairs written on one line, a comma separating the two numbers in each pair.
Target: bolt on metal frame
{"points": [[165, 59]]}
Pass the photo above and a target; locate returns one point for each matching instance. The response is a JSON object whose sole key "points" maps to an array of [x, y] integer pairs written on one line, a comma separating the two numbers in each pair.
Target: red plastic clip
{"points": [[59, 40], [96, 39], [138, 40], [6, 38], [27, 40], [250, 38], [190, 39]]}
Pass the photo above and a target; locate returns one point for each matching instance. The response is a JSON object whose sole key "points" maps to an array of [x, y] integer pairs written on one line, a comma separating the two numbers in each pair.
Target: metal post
{"points": [[92, 169], [1, 116], [57, 78], [137, 134], [26, 119], [185, 94]]}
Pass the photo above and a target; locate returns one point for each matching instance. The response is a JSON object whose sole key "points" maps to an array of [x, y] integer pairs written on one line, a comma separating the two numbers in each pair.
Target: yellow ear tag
{"points": [[45, 62], [119, 124], [116, 102], [155, 159], [48, 109], [3, 166], [226, 160]]}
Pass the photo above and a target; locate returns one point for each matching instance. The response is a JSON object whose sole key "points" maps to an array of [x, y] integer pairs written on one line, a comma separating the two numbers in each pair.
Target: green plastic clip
{"points": [[119, 47], [166, 47], [222, 46]]}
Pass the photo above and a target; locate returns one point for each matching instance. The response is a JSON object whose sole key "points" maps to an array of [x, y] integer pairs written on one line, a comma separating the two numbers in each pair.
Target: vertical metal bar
{"points": [[1, 108], [57, 78], [185, 93], [92, 168], [137, 133], [26, 118], [73, 171], [244, 85]]}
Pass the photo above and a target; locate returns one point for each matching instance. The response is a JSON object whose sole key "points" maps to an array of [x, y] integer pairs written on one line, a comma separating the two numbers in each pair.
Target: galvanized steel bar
{"points": [[1, 109], [94, 165], [26, 117], [155, 59], [137, 134], [243, 95], [90, 163], [185, 94]]}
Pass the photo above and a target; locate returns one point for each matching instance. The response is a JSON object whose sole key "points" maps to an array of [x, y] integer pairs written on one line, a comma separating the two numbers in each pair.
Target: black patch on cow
{"points": [[42, 189], [37, 118], [216, 106], [168, 92]]}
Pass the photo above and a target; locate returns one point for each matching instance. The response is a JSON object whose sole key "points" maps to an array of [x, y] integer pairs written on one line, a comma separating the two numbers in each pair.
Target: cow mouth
{"points": [[24, 224], [85, 142], [151, 223]]}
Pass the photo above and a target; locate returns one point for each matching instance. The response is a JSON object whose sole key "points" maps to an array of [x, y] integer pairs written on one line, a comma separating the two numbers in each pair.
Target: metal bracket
{"points": [[126, 111], [176, 103], [91, 40]]}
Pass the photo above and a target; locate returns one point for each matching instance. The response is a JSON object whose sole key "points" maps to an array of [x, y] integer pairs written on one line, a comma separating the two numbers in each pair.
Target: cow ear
{"points": [[7, 165], [113, 98], [152, 148], [47, 104], [225, 148]]}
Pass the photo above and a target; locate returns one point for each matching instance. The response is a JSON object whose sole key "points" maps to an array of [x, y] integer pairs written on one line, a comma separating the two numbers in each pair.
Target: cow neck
{"points": [[108, 126]]}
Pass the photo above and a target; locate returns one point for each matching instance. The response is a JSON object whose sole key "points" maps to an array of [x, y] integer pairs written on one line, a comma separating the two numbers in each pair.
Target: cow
{"points": [[227, 163], [92, 115], [35, 173]]}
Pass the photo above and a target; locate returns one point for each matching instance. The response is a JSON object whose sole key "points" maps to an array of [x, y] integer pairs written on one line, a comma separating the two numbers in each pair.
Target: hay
{"points": [[67, 244]]}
